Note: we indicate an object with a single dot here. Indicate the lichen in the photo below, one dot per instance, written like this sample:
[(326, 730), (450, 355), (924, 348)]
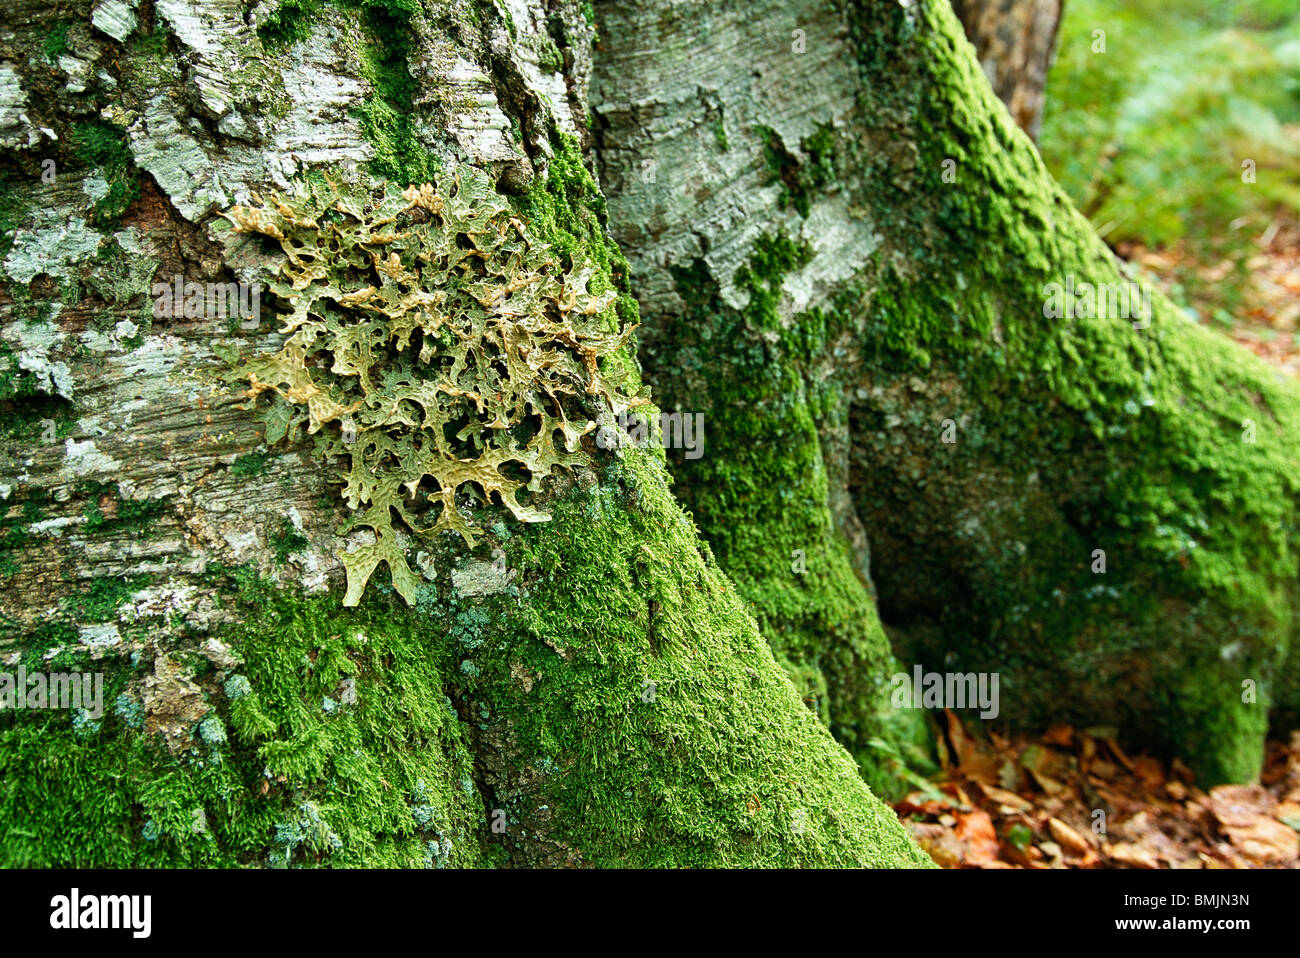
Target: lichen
[(267, 777), (435, 345)]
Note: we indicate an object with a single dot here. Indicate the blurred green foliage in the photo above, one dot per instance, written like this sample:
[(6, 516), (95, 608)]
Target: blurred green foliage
[(1150, 136)]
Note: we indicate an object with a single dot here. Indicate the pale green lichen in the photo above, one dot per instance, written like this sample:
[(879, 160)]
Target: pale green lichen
[(433, 343)]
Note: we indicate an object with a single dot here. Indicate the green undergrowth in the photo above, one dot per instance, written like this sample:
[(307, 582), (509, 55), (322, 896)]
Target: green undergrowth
[(1170, 450), (1193, 141)]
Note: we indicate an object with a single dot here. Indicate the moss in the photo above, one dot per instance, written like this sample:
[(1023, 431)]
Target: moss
[(12, 212), (566, 208), (287, 540), (15, 519), (388, 116), (103, 147), (290, 22), (336, 740), (373, 782), (56, 41), (549, 57), (761, 496), (720, 134), (105, 595), (36, 417), (800, 178), (1072, 436), (631, 695), (15, 382), (250, 464), (383, 36), (107, 512)]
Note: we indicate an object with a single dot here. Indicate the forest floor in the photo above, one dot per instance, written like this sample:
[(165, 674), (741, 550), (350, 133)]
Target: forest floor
[(1268, 320), (1072, 798)]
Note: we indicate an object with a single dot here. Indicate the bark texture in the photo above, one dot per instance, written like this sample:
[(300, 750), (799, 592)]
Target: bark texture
[(871, 249), (1015, 43), (586, 690)]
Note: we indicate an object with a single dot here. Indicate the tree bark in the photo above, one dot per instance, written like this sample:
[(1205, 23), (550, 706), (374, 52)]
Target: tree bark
[(585, 690), (1015, 43), (606, 686)]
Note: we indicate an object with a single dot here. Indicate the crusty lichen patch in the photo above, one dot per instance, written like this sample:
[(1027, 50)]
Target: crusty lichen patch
[(435, 346)]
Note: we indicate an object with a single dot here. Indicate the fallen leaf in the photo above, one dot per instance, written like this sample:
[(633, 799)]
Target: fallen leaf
[(1266, 841), (1062, 735), (976, 829), (1238, 806), (1067, 837), (1006, 798), (1135, 856)]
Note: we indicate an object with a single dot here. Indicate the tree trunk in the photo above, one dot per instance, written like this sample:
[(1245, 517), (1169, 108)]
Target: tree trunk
[(1015, 42), (575, 678), (854, 264), (584, 690)]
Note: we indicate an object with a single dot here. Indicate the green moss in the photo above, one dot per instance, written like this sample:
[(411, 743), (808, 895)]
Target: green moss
[(373, 782), (103, 146), (632, 695), (720, 134), (15, 519), (250, 464), (15, 382), (567, 210), (105, 595), (56, 41), (800, 177), (383, 35), (132, 515), (12, 212), (290, 22), (549, 57), (1072, 436), (286, 541), (761, 494), (388, 116)]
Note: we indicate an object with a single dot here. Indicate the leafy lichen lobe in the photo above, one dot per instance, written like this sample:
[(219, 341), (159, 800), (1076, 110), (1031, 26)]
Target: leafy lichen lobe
[(434, 345)]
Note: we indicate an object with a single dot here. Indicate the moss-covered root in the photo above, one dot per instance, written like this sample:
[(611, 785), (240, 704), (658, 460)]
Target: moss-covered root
[(761, 497), (614, 705), (633, 715), (307, 736), (1103, 504)]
